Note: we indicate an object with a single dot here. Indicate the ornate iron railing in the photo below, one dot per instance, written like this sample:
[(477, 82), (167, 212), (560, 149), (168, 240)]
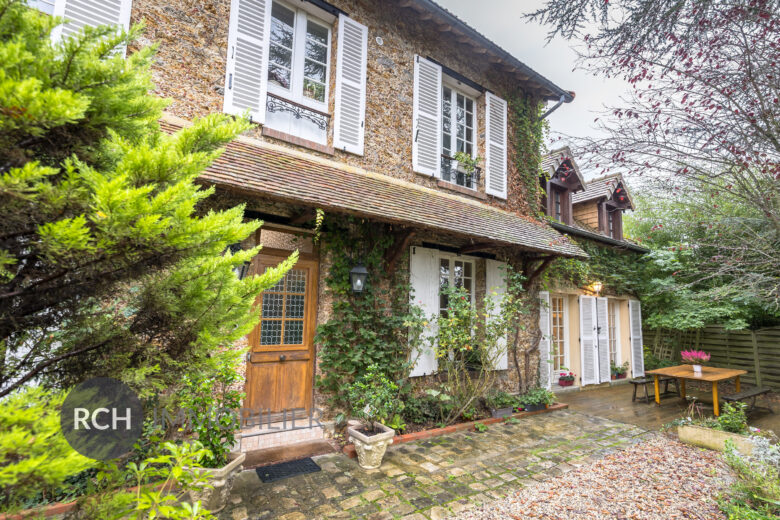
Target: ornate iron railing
[(275, 103), (457, 175)]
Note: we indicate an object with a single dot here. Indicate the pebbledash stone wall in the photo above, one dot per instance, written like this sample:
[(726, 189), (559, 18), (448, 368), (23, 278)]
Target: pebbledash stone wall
[(190, 70)]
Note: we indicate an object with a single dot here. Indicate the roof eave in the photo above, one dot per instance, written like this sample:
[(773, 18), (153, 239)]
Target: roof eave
[(564, 228)]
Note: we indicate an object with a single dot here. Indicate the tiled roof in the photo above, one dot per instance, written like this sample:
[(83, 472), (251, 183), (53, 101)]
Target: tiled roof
[(552, 161), (602, 187), (288, 176)]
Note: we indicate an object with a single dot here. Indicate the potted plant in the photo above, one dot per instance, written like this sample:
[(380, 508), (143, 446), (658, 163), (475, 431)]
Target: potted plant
[(466, 165), (374, 399), (210, 402), (618, 371), (697, 358), (501, 404), (713, 433), (566, 377), (537, 399)]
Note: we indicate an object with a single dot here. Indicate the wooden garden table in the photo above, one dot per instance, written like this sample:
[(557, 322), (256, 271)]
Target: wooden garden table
[(685, 372)]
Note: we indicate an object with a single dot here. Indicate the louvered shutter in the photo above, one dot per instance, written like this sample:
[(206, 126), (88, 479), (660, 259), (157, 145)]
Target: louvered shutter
[(602, 334), (246, 79), (545, 367), (588, 342), (350, 110), (81, 13), (635, 326), (426, 123), (424, 278), (495, 145), (495, 281)]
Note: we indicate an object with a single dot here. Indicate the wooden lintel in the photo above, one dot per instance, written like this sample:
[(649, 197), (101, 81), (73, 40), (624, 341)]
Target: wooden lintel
[(396, 251), (303, 218), (473, 248)]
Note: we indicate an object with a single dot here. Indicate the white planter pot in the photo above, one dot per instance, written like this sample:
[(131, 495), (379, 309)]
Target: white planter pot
[(371, 449), (697, 369), (221, 479)]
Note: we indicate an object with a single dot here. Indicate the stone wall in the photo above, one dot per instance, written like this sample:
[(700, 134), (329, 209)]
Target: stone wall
[(190, 70)]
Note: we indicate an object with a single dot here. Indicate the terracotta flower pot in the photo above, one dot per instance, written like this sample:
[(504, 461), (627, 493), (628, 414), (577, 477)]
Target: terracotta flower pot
[(565, 382)]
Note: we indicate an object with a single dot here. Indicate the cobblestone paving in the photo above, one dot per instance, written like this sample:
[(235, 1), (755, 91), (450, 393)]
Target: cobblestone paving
[(436, 477)]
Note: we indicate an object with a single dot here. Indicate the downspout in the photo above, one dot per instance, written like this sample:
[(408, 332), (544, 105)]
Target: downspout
[(554, 108)]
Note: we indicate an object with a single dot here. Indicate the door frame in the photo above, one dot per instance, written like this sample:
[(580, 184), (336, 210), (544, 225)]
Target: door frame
[(311, 261)]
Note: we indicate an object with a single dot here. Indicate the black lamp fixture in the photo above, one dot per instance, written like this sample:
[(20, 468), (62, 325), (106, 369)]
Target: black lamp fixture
[(357, 277), (243, 269)]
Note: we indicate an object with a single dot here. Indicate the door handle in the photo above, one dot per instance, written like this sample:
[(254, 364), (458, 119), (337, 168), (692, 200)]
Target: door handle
[(282, 357)]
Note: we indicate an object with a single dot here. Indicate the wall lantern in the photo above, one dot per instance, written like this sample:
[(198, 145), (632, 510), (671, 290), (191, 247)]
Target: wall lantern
[(242, 270), (357, 277), (596, 287)]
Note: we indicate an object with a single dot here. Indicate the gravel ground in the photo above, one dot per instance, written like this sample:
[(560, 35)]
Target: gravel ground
[(658, 479)]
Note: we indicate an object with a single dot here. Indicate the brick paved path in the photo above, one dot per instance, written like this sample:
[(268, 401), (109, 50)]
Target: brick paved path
[(436, 477)]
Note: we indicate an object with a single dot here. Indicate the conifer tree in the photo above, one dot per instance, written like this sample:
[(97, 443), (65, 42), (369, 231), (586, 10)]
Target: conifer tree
[(108, 263)]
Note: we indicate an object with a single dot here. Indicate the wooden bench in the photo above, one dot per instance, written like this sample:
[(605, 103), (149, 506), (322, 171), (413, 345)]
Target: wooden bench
[(751, 394), (645, 381)]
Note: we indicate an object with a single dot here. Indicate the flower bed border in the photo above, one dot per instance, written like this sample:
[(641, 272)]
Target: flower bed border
[(349, 449)]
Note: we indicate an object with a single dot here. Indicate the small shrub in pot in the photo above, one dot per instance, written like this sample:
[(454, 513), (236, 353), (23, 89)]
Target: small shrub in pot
[(374, 398), (537, 399), (501, 403)]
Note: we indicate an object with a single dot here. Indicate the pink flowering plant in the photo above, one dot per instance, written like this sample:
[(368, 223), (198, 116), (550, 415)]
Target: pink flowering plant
[(694, 357)]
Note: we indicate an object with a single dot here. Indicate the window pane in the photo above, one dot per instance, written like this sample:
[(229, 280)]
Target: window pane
[(467, 285), (282, 23), (314, 71), (278, 75), (280, 56), (467, 269), (469, 105), (270, 332), (313, 90), (296, 281), (272, 305), (293, 332), (446, 144), (317, 33), (316, 52), (294, 306)]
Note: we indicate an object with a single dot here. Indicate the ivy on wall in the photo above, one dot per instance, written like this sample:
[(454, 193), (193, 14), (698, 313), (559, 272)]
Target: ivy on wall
[(367, 328), (528, 144)]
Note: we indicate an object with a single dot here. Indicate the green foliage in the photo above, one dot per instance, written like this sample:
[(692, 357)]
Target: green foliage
[(536, 396), (527, 144), (374, 397), (211, 403), (108, 263), (397, 423), (732, 418), (499, 399), (163, 485), (619, 370), (378, 326), (424, 409), (481, 428), (651, 361), (34, 455), (755, 494)]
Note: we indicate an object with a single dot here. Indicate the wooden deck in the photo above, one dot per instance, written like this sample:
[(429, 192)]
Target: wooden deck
[(615, 403)]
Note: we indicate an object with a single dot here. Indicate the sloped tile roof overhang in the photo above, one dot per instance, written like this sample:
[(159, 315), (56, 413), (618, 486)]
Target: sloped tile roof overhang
[(598, 237), (283, 175)]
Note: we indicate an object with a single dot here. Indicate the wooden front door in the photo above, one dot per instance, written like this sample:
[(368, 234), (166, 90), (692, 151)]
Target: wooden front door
[(281, 357)]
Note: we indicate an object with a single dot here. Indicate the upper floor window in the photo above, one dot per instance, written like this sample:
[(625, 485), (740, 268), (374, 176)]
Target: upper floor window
[(298, 53), (457, 134)]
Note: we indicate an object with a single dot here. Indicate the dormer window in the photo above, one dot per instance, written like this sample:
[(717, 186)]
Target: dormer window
[(610, 220), (557, 207)]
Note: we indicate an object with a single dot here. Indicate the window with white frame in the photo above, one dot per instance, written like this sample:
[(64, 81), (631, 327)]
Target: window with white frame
[(557, 332), (454, 272), (612, 317), (458, 122), (298, 72)]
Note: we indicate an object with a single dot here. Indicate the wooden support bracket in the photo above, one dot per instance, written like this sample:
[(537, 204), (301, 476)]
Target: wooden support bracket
[(400, 244), (302, 218), (533, 275)]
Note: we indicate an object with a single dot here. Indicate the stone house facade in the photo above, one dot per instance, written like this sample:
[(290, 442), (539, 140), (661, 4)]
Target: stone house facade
[(359, 108)]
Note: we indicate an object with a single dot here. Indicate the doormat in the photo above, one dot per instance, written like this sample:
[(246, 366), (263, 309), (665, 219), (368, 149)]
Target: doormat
[(282, 470)]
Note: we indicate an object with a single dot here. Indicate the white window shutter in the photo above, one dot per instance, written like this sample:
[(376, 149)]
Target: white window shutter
[(426, 122), (588, 341), (602, 333), (545, 367), (495, 281), (424, 278), (637, 345), (246, 79), (495, 145), (81, 13), (350, 111)]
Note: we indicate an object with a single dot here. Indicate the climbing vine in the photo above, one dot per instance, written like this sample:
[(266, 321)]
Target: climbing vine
[(377, 326), (528, 138)]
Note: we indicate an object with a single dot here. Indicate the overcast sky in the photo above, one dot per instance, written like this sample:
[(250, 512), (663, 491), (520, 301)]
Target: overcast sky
[(501, 21)]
